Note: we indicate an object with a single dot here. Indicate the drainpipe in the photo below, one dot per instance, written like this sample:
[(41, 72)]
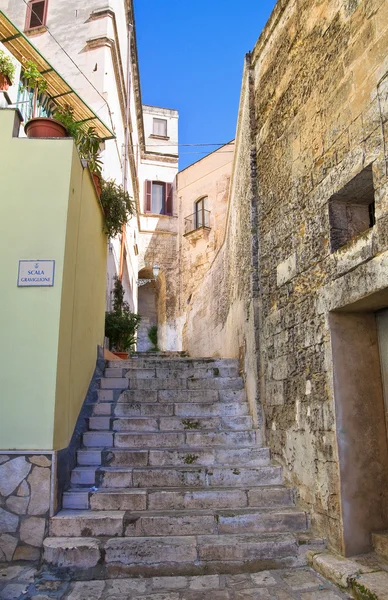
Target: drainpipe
[(126, 142)]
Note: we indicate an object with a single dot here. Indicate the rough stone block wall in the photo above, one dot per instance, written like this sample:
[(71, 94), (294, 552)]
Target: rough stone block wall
[(321, 111), (25, 492)]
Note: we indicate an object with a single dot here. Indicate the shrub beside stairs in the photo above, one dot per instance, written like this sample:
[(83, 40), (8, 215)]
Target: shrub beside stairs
[(172, 479)]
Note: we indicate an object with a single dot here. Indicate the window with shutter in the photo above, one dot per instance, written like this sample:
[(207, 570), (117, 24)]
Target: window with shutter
[(169, 191), (147, 196), (36, 14), (158, 197)]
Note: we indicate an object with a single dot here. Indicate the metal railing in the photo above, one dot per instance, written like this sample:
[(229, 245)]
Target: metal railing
[(198, 220), (45, 105)]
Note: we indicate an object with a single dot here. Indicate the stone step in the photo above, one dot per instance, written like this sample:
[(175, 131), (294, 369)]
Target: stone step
[(162, 477), (184, 363), (175, 457), (114, 383), (170, 383), (137, 424), (162, 372), (176, 396), (178, 499), (143, 409), (173, 554), (86, 523), (162, 439), (227, 439), (380, 543)]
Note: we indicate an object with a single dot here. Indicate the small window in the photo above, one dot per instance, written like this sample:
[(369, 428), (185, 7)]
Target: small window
[(160, 127), (352, 209), (36, 14), (201, 213), (158, 197)]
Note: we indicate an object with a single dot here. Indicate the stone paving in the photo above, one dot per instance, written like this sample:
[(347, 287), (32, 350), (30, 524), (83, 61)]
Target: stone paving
[(19, 582)]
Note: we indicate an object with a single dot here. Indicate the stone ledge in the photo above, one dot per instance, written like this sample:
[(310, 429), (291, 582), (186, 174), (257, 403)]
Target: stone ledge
[(365, 577)]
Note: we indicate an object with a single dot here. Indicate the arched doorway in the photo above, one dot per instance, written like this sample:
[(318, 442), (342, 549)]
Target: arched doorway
[(147, 308)]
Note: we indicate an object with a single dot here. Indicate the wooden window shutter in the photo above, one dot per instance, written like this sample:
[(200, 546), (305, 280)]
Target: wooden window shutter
[(169, 192), (148, 196)]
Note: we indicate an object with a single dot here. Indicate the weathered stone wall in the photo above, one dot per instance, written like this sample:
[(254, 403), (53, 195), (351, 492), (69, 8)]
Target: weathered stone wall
[(25, 492), (161, 248), (207, 179), (321, 110), (317, 112)]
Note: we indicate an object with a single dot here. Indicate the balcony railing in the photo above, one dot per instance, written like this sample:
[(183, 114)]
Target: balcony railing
[(198, 220), (45, 106)]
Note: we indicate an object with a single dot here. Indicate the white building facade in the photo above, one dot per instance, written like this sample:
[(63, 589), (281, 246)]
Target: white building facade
[(93, 47)]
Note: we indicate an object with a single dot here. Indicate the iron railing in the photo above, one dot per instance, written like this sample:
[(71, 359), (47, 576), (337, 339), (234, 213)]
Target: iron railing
[(198, 220)]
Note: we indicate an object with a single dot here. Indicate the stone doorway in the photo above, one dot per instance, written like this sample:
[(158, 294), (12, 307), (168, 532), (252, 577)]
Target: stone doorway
[(359, 341), (147, 309)]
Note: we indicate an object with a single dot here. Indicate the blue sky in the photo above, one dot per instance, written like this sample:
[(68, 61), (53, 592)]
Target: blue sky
[(191, 57)]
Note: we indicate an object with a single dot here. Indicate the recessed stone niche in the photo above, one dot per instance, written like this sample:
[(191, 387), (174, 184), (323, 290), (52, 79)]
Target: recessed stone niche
[(352, 209)]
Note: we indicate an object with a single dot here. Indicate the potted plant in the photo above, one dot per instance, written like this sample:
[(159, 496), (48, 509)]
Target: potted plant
[(7, 71), (39, 127), (118, 207), (121, 324)]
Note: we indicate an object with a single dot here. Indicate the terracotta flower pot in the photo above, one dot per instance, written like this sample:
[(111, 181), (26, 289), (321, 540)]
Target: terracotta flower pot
[(97, 183), (122, 355), (5, 82), (42, 127)]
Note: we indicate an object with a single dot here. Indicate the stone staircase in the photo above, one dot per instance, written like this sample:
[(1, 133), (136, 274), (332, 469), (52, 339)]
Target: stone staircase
[(172, 479)]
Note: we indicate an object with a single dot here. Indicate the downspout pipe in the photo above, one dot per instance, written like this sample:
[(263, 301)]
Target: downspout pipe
[(126, 141)]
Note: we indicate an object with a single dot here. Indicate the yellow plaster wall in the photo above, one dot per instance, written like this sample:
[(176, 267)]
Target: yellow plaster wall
[(83, 302), (48, 336), (35, 176)]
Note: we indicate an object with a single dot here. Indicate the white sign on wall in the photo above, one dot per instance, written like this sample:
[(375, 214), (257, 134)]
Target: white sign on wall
[(38, 273)]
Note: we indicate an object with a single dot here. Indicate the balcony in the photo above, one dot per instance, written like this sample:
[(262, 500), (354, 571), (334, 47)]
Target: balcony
[(200, 220)]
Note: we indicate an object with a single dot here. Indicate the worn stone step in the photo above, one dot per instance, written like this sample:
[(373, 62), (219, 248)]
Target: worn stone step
[(118, 371), (178, 396), (114, 383), (97, 439), (178, 499), (87, 523), (170, 383), (162, 372), (142, 409), (149, 424), (173, 363), (183, 554), (194, 477), (211, 523), (227, 439), (175, 457)]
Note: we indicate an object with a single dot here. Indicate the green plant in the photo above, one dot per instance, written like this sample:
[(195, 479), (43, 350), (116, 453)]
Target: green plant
[(65, 115), (7, 67), (121, 324), (153, 336), (190, 424), (89, 149), (87, 142), (190, 459), (34, 80), (118, 207)]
